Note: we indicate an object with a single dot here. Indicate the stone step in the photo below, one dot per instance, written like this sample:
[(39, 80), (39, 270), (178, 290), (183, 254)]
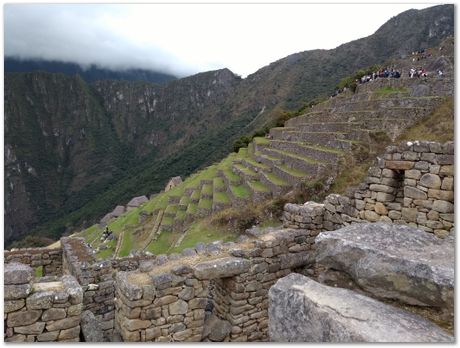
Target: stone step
[(195, 196), (206, 191), (267, 160), (230, 178), (332, 140), (204, 206), (171, 210), (302, 310), (325, 126), (259, 191), (239, 194), (393, 262), (293, 160), (256, 166), (245, 172), (184, 202), (220, 200), (319, 153), (218, 184), (276, 184)]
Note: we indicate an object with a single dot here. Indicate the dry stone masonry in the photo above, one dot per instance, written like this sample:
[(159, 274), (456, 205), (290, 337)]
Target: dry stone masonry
[(412, 184), (49, 260), (44, 311)]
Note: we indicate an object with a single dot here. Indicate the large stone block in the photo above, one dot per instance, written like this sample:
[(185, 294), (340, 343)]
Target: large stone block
[(221, 268), (392, 261), (302, 310), (33, 329), (16, 292), (414, 193), (23, 318), (91, 328), (17, 273), (443, 206), (430, 181)]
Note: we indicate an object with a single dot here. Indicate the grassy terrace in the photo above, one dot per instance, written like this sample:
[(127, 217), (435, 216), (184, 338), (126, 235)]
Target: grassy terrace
[(185, 200), (240, 191), (205, 203), (206, 190), (245, 170), (257, 164), (192, 208), (221, 197), (258, 186), (300, 157), (261, 141), (276, 179), (218, 183), (292, 171), (195, 195), (232, 177), (172, 208)]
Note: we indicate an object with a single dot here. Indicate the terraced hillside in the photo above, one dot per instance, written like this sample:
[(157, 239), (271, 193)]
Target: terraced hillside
[(309, 147)]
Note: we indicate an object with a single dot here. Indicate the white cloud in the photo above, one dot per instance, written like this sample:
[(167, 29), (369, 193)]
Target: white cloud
[(186, 38)]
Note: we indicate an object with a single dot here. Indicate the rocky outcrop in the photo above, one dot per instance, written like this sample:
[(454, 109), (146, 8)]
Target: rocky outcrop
[(302, 310), (392, 261), (91, 328), (136, 202)]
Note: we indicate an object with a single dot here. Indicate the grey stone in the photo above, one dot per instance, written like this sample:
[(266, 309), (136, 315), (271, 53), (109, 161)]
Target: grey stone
[(13, 305), (302, 310), (33, 329), (16, 292), (415, 193), (431, 181), (23, 318), (48, 336), (221, 268), (216, 329), (392, 261), (54, 314), (73, 289), (63, 324), (443, 206), (91, 328), (178, 307), (132, 291), (69, 334), (17, 273), (40, 300)]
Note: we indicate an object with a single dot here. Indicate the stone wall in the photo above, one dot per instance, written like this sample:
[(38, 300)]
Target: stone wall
[(43, 310), (215, 296), (49, 259), (412, 184)]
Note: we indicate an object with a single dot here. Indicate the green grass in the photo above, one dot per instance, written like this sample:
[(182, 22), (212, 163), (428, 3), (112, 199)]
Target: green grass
[(39, 272), (261, 141), (293, 155), (245, 170), (172, 208), (206, 190), (129, 218), (258, 186), (276, 179), (221, 197), (107, 253), (192, 208), (232, 177), (185, 200), (256, 164), (389, 90), (162, 244), (91, 233), (202, 232), (269, 157), (205, 203), (180, 215), (240, 191), (127, 245), (292, 171), (167, 221), (195, 195), (242, 152), (218, 183)]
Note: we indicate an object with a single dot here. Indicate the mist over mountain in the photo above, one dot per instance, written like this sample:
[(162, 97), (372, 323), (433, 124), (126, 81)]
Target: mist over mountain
[(89, 74), (74, 149)]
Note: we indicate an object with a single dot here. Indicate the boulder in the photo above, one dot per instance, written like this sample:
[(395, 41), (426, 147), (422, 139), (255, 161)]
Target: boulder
[(17, 273), (392, 261), (91, 328), (302, 310), (137, 201)]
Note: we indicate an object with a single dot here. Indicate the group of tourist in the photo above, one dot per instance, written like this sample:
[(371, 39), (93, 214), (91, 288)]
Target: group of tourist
[(107, 234), (382, 73), (420, 54)]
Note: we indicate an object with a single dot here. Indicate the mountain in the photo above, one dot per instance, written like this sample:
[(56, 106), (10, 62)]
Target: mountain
[(91, 74), (74, 150)]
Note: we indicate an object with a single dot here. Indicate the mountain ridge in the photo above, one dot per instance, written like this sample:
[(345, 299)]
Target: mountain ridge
[(242, 106)]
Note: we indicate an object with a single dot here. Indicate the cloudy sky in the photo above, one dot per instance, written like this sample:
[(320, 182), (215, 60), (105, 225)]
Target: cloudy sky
[(184, 39)]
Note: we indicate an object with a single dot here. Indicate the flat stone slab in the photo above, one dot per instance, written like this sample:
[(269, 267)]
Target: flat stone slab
[(221, 268), (16, 273), (302, 310), (392, 261)]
